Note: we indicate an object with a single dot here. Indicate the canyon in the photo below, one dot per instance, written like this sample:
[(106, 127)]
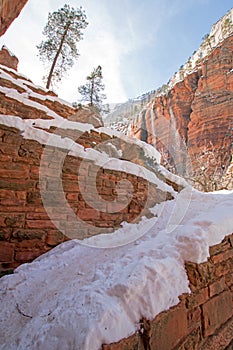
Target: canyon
[(104, 247)]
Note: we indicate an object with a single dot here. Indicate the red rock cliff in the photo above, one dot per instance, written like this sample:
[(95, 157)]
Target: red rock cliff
[(195, 113), (10, 9)]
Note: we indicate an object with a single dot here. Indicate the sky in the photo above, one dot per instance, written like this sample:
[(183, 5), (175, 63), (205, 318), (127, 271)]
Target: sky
[(139, 44)]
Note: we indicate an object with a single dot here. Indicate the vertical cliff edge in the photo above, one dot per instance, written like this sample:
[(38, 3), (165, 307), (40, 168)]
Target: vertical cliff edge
[(192, 114)]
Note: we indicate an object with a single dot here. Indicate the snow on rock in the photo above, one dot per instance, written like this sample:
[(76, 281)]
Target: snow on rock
[(58, 121), (33, 129), (5, 68), (29, 131), (149, 150), (23, 98), (26, 84), (86, 293)]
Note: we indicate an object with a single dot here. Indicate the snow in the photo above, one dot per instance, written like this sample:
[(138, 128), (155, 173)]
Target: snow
[(28, 131), (86, 293), (58, 121), (5, 68), (23, 98), (172, 177), (149, 150), (27, 84)]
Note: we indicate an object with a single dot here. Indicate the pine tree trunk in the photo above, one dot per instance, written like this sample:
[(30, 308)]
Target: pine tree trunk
[(56, 56), (92, 92)]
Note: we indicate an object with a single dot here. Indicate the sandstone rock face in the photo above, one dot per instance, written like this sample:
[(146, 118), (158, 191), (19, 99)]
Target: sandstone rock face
[(8, 59), (9, 11), (195, 114), (211, 119)]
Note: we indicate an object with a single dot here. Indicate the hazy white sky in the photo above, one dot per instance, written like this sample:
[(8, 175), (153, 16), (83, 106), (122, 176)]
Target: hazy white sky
[(139, 44)]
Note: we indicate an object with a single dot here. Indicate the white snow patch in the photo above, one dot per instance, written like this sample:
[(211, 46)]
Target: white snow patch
[(149, 150), (13, 71), (79, 296), (23, 98), (27, 84)]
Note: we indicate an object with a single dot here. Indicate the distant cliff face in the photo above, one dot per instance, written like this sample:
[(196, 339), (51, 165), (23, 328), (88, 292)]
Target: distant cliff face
[(211, 118), (10, 9), (195, 115)]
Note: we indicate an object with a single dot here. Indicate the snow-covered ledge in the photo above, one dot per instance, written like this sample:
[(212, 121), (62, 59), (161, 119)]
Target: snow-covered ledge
[(83, 294)]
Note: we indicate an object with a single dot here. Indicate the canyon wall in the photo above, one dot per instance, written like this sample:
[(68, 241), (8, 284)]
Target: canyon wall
[(9, 10), (203, 319), (195, 115)]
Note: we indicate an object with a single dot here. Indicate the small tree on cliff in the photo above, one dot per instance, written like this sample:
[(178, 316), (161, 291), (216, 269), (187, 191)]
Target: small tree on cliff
[(206, 41), (92, 91), (63, 30)]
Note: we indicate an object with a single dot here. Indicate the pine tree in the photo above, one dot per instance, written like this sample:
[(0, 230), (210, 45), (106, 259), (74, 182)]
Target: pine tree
[(63, 30), (92, 91)]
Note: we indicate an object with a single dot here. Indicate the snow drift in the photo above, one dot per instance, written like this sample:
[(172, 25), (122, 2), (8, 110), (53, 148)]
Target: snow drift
[(86, 293)]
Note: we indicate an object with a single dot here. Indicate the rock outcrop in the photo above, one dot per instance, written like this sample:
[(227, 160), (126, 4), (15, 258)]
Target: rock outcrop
[(8, 59), (9, 10)]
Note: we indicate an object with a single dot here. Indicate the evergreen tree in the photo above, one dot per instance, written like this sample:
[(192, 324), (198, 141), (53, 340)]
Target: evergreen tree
[(92, 91), (63, 30)]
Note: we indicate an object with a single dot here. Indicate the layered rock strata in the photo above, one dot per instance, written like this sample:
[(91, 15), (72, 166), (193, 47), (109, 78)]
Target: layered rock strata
[(195, 115)]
